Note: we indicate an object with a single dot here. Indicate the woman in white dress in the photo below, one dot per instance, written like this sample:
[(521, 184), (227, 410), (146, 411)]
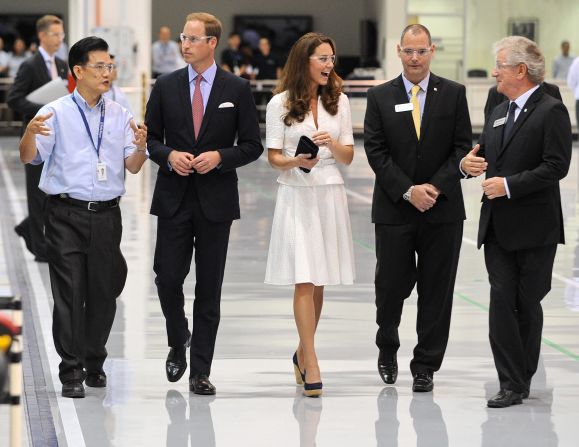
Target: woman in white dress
[(311, 238)]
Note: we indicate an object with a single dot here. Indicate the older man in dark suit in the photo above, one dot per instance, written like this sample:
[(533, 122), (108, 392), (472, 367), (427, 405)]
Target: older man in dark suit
[(32, 74), (494, 98), (525, 149), (416, 131), (202, 125)]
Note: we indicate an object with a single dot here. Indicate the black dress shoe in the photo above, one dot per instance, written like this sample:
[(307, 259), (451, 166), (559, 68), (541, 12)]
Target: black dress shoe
[(388, 367), (176, 363), (73, 389), (200, 384), (96, 379), (22, 231), (423, 382), (504, 399)]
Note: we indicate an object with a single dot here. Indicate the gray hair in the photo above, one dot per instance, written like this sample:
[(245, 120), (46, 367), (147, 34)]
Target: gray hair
[(520, 50)]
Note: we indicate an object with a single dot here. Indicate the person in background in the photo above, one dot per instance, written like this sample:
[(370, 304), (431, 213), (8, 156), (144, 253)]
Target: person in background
[(311, 237), (524, 151), (86, 142), (19, 55), (416, 131), (4, 60), (231, 57), (166, 54), (36, 71), (115, 93), (33, 48), (563, 62), (573, 83), (266, 65)]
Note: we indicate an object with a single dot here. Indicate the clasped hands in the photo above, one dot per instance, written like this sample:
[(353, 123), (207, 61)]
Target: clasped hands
[(424, 196), (474, 166), (185, 163)]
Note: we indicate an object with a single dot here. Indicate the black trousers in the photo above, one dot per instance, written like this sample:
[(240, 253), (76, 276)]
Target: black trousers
[(33, 224), (519, 280), (87, 274), (425, 255), (178, 237)]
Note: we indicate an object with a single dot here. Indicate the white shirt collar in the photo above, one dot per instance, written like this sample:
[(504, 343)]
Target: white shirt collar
[(522, 100), (47, 57)]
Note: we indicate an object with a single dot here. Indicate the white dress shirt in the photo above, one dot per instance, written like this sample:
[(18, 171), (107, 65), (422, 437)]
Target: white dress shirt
[(70, 159)]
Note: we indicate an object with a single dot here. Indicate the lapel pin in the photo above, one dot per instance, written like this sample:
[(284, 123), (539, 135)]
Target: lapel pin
[(525, 110), (435, 89)]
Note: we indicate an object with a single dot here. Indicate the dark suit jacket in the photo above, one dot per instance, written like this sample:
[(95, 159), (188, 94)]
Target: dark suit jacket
[(533, 160), (494, 98), (170, 127), (400, 160), (31, 75)]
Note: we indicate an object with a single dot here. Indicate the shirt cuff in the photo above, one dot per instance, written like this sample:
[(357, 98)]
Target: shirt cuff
[(464, 175), (507, 188)]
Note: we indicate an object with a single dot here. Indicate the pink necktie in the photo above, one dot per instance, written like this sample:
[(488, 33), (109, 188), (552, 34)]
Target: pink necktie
[(53, 72), (197, 106)]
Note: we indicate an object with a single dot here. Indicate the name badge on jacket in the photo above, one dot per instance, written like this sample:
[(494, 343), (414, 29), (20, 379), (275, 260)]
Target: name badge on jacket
[(407, 107), (500, 122)]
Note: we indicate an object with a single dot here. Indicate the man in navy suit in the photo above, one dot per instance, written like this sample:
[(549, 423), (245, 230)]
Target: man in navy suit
[(416, 131), (202, 125), (525, 149), (32, 74)]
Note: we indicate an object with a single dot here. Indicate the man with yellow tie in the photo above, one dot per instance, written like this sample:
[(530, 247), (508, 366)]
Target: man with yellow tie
[(416, 131)]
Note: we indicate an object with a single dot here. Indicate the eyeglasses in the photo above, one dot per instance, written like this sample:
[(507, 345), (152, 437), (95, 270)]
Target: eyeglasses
[(194, 39), (102, 67), (421, 52), (500, 65), (54, 34), (325, 59)]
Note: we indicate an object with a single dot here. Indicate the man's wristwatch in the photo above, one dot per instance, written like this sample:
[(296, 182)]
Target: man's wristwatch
[(408, 194)]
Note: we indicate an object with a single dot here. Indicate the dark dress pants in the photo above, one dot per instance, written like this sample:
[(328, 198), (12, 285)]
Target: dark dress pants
[(33, 224), (425, 255), (178, 237), (87, 274), (519, 280)]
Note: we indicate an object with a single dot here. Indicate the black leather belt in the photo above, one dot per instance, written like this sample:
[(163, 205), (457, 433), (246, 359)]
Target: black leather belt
[(90, 206)]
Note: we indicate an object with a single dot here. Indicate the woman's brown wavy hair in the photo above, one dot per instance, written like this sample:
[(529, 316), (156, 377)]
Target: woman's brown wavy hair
[(296, 80)]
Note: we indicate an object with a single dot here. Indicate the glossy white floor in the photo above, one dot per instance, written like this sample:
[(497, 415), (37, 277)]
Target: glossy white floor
[(257, 403)]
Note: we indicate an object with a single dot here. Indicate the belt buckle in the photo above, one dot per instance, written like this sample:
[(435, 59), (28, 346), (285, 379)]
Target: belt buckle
[(89, 206)]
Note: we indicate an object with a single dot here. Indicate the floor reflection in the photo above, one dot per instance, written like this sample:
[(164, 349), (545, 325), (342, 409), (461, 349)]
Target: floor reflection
[(387, 424), (307, 411), (198, 427), (428, 421)]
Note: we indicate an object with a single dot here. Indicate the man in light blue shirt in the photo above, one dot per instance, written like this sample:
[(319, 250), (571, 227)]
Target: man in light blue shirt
[(85, 141), (563, 62), (165, 54)]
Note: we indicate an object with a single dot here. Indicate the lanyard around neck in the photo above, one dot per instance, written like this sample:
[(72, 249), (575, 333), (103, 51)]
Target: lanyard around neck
[(101, 125)]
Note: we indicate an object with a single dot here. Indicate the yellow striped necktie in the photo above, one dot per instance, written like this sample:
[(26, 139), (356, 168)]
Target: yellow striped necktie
[(416, 109)]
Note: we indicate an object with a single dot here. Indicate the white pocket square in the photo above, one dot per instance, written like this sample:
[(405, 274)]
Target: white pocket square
[(225, 105)]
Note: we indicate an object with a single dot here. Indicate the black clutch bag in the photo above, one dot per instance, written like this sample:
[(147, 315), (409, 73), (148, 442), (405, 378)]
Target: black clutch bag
[(306, 146)]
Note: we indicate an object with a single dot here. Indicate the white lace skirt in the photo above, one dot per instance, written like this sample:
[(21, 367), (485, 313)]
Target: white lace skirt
[(311, 237)]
